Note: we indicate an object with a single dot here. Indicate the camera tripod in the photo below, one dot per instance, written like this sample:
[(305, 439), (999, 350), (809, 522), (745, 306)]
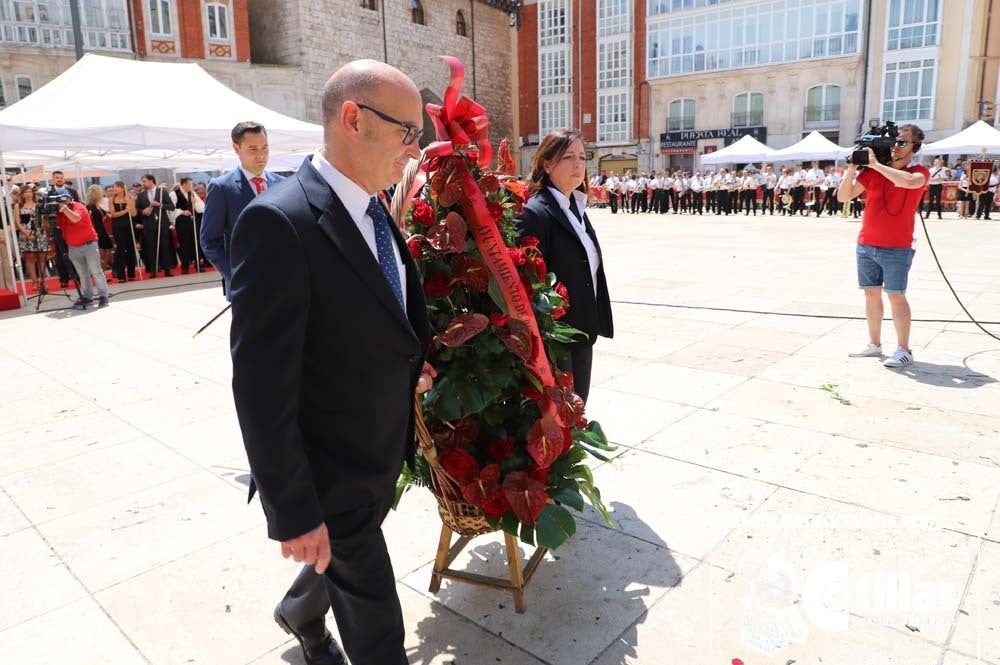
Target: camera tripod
[(62, 250)]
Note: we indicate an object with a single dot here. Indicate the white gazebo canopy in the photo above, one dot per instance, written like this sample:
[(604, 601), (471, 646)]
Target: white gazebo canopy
[(978, 138), (57, 117), (814, 146), (747, 149)]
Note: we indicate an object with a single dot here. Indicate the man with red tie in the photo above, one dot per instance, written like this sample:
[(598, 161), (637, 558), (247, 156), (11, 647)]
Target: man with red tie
[(230, 193)]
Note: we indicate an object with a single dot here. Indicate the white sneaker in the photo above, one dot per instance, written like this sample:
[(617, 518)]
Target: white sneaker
[(900, 358), (870, 351)]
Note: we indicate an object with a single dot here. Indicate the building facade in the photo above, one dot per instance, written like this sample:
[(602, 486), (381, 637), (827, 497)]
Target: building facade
[(320, 36), (36, 45), (656, 84)]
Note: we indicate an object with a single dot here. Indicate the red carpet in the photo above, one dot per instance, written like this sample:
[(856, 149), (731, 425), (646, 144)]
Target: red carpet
[(9, 300), (52, 283)]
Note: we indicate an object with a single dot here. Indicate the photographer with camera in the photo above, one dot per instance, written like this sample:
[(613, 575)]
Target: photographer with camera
[(894, 185), (78, 231)]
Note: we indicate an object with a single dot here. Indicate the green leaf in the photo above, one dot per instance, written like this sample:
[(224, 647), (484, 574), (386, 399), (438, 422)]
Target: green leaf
[(496, 295), (509, 523), (581, 472), (555, 526), (402, 484), (570, 497), (550, 280), (470, 396), (593, 452), (594, 496), (595, 427), (493, 522), (528, 534)]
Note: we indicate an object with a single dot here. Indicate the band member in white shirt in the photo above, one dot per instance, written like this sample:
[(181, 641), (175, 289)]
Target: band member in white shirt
[(939, 173), (697, 198)]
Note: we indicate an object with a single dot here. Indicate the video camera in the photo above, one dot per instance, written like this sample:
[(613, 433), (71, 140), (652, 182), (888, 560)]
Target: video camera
[(49, 206), (880, 139)]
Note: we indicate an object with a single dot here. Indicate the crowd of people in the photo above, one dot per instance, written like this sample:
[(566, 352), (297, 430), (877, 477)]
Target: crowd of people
[(145, 222), (803, 190)]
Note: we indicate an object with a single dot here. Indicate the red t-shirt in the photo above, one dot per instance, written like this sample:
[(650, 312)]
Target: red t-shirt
[(77, 233), (887, 220)]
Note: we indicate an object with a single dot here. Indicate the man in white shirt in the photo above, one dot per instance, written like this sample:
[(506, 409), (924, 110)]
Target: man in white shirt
[(611, 185)]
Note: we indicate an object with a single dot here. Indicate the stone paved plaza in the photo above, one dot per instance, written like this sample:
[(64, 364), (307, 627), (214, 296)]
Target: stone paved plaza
[(772, 494)]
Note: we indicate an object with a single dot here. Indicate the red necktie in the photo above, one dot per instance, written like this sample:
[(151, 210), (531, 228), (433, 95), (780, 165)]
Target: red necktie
[(258, 183)]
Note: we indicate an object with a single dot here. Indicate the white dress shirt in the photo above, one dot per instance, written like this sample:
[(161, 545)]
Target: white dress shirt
[(593, 258), (356, 201)]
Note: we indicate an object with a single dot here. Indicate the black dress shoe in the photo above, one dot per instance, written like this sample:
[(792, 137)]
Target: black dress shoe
[(319, 649)]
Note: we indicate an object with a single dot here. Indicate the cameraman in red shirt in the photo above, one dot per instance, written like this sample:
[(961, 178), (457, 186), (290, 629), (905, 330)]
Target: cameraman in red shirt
[(81, 242), (885, 243)]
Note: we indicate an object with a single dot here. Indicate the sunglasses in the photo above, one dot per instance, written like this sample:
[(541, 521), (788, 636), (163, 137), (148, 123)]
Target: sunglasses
[(902, 144), (413, 133)]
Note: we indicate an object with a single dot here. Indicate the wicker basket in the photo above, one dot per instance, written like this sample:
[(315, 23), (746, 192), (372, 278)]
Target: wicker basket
[(463, 518)]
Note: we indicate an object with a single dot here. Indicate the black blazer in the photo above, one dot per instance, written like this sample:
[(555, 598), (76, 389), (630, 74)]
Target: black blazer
[(142, 202), (325, 363), (565, 256)]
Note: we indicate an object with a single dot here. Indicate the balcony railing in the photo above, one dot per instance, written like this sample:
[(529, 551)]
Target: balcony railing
[(822, 116), (748, 119), (60, 36)]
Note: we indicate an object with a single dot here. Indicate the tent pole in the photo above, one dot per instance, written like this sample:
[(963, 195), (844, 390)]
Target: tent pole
[(10, 238)]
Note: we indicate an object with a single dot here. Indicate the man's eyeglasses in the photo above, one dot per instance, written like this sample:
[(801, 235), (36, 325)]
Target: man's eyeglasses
[(901, 143), (413, 133)]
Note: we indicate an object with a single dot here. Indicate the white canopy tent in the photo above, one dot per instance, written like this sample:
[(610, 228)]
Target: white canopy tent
[(92, 134), (43, 121), (747, 149), (978, 138), (814, 146)]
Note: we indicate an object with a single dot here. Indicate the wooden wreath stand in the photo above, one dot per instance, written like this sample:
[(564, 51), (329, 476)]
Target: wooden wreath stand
[(468, 521), (519, 576)]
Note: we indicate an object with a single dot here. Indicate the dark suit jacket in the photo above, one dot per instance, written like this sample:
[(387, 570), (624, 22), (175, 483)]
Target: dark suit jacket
[(325, 363), (227, 196), (142, 202), (565, 256)]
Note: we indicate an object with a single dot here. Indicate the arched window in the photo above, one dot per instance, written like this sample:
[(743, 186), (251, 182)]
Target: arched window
[(417, 12), (460, 24), (823, 104), (680, 115), (748, 109), (368, 4)]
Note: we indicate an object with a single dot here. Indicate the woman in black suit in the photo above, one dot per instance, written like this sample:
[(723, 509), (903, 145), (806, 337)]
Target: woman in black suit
[(556, 215)]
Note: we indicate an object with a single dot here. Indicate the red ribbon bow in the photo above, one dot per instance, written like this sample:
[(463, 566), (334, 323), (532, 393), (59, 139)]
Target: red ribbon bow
[(461, 122)]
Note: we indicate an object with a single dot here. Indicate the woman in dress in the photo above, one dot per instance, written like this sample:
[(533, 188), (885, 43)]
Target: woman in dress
[(94, 197), (32, 237), (121, 209), (556, 216)]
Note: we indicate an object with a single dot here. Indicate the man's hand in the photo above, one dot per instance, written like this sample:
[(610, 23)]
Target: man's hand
[(154, 203), (312, 548), (147, 211), (426, 380)]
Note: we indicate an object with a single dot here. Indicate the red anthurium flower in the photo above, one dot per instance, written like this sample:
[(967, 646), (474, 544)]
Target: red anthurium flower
[(496, 212), (529, 241), (486, 485), (516, 255), (499, 320), (459, 464), (463, 328), (489, 184), (558, 313), (526, 495), (539, 473), (538, 265), (545, 441)]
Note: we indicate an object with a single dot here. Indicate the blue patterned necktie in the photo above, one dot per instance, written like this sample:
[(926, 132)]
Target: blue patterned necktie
[(383, 244)]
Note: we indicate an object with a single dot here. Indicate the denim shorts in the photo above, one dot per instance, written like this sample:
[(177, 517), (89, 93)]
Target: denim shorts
[(886, 267)]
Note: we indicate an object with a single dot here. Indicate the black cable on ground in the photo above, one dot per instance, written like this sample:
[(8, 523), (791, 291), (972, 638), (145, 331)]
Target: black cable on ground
[(795, 314), (923, 223)]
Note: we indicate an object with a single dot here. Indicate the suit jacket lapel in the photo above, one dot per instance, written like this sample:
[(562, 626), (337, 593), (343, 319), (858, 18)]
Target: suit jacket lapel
[(558, 214), (337, 224)]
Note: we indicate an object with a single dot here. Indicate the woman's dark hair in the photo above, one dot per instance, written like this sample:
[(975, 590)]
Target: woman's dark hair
[(552, 149)]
